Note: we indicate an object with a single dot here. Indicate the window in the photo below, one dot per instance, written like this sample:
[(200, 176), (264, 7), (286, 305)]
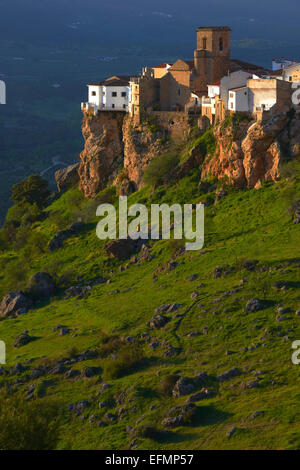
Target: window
[(94, 93), (113, 105), (221, 44), (204, 43), (179, 92), (114, 94), (231, 105), (124, 94), (124, 106)]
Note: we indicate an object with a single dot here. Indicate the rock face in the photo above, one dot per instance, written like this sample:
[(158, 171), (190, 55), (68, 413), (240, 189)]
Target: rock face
[(41, 286), (102, 156), (67, 177), (251, 152), (58, 239), (14, 304), (141, 145)]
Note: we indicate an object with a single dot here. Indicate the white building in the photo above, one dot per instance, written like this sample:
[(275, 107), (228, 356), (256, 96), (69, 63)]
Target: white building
[(292, 73), (209, 102), (112, 94), (234, 80), (279, 64), (260, 95), (238, 99)]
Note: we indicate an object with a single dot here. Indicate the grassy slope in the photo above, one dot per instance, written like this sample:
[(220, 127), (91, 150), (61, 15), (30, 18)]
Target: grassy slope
[(247, 224)]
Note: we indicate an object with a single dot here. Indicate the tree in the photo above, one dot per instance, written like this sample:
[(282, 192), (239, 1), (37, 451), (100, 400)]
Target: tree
[(28, 425), (33, 190)]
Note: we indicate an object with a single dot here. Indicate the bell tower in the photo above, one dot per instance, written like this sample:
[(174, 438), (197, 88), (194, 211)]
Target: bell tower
[(212, 56)]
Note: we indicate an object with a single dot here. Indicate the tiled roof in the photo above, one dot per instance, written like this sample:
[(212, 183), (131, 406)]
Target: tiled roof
[(120, 80), (183, 65), (236, 65), (162, 66)]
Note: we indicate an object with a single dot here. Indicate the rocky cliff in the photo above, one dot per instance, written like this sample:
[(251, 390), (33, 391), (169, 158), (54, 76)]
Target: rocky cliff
[(250, 152), (142, 143), (103, 153), (247, 152)]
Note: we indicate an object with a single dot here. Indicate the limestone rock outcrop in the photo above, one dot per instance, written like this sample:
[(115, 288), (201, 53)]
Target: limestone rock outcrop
[(14, 304), (102, 156), (251, 152), (67, 177), (141, 145)]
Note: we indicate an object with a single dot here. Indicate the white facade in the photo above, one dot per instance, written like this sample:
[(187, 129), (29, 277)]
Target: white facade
[(236, 79), (109, 97), (238, 99), (213, 90)]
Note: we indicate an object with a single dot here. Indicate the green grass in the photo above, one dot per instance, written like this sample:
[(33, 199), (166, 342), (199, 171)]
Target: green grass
[(246, 224)]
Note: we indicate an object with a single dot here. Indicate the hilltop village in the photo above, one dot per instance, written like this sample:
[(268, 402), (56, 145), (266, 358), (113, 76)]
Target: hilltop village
[(210, 86)]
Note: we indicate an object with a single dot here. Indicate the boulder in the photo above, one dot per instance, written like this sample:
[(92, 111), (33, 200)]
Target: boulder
[(41, 286), (123, 248), (67, 177), (58, 239), (182, 387), (254, 305), (81, 292), (22, 339), (204, 393), (228, 375), (179, 415), (14, 304), (158, 321)]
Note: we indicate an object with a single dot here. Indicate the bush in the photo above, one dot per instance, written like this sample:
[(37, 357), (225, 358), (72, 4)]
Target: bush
[(72, 352), (28, 425), (147, 432), (159, 168), (110, 345), (128, 358), (167, 384), (34, 190)]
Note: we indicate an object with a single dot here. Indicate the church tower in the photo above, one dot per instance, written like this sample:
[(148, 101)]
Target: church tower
[(212, 56)]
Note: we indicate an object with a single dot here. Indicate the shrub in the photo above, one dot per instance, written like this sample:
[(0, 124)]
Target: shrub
[(34, 190), (167, 384), (110, 345), (72, 352), (28, 425), (147, 432), (128, 358), (159, 168)]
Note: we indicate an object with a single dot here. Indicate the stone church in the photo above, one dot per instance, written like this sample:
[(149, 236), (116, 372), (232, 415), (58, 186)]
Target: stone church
[(168, 87)]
